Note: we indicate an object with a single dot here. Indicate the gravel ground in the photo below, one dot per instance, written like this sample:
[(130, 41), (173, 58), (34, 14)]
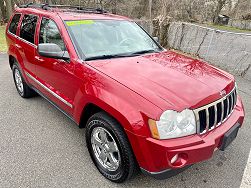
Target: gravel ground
[(40, 147)]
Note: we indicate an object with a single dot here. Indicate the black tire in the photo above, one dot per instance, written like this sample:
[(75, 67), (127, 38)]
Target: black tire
[(127, 165), (26, 92)]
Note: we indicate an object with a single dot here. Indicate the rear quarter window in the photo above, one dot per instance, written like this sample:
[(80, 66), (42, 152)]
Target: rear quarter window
[(28, 28), (14, 23)]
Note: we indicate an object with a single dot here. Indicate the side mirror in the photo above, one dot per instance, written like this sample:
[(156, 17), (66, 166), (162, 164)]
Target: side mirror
[(156, 39), (51, 50)]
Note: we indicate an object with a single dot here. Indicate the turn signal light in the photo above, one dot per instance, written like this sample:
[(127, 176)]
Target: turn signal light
[(153, 128)]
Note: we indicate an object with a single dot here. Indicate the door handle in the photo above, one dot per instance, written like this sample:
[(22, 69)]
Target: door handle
[(39, 59)]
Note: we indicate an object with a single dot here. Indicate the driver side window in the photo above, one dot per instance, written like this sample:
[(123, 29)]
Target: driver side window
[(49, 33)]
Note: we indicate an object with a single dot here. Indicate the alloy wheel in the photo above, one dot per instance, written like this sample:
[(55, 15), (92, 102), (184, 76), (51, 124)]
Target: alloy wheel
[(19, 81), (105, 149)]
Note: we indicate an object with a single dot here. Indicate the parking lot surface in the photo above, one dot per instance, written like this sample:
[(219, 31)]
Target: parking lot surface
[(40, 147)]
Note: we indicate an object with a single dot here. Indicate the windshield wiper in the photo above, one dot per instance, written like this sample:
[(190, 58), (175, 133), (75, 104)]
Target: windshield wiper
[(106, 57), (120, 55), (144, 52)]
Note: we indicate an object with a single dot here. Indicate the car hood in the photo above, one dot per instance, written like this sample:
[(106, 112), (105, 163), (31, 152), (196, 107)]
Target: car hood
[(168, 79)]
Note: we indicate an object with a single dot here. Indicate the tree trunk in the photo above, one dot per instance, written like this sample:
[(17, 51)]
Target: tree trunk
[(12, 3), (143, 8), (1, 18), (160, 29), (3, 11), (8, 9), (220, 5), (235, 8), (150, 16), (114, 6), (150, 9), (164, 7)]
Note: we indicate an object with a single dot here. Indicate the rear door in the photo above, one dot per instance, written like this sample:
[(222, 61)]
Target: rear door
[(26, 43), (12, 34)]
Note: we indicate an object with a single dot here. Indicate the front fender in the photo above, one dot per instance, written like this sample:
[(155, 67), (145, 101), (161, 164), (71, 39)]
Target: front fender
[(131, 110), (129, 115)]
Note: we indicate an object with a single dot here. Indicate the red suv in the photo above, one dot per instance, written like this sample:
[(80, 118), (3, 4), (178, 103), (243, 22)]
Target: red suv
[(143, 107)]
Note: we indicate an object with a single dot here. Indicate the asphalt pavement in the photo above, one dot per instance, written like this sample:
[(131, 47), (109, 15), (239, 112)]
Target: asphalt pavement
[(40, 147)]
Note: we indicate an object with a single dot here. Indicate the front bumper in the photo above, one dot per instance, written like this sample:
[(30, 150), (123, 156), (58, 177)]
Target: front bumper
[(165, 173), (157, 154)]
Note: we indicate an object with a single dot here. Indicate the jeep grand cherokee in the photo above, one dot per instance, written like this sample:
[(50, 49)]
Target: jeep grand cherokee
[(143, 107)]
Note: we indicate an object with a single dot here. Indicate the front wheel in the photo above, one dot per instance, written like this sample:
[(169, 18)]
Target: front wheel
[(109, 148)]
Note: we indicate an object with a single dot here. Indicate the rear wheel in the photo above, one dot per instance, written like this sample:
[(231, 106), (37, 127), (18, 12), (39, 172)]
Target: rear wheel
[(109, 148), (22, 88)]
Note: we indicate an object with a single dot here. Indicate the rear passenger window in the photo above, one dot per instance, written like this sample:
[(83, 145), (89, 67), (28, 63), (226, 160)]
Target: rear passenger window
[(28, 28), (49, 33), (14, 23)]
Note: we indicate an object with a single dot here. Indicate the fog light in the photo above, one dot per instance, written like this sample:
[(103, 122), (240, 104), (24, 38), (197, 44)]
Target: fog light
[(179, 160), (174, 159)]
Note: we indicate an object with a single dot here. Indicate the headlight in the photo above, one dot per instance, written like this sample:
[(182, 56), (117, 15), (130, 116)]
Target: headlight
[(173, 124)]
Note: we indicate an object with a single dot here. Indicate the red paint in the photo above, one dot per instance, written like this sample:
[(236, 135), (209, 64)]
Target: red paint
[(132, 90)]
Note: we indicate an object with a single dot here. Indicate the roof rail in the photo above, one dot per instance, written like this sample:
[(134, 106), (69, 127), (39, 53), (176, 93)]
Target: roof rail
[(33, 5), (67, 7)]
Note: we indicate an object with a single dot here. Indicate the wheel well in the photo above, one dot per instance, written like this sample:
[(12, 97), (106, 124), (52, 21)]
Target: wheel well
[(11, 61), (88, 111)]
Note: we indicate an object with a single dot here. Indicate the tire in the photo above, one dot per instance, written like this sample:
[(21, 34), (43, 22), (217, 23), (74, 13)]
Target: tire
[(121, 157), (22, 88)]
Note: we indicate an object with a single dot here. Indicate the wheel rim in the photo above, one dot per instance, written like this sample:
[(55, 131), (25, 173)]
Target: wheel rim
[(19, 81), (105, 149)]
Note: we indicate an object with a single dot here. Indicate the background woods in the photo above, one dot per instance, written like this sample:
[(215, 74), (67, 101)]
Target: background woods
[(184, 10)]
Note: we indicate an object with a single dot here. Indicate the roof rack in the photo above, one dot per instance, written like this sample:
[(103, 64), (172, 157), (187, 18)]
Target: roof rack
[(66, 7)]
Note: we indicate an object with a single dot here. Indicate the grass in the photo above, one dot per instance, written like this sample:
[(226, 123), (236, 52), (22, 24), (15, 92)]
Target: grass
[(228, 28), (3, 46)]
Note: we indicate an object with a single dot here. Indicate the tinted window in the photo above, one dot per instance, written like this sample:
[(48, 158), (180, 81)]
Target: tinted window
[(28, 28), (14, 23), (49, 33)]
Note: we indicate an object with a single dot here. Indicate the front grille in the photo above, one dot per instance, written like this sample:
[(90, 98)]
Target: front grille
[(213, 115)]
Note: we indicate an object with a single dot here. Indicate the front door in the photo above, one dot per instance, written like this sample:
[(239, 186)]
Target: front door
[(55, 77)]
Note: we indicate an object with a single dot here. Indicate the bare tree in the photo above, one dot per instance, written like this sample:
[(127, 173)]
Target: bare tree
[(8, 9), (165, 6), (235, 8), (184, 10), (3, 11), (143, 7), (219, 6)]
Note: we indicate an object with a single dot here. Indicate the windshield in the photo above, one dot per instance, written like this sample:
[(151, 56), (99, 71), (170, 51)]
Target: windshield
[(110, 38)]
